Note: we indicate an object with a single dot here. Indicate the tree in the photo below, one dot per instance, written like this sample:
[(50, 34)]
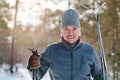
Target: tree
[(12, 62), (23, 41), (114, 19), (49, 29), (4, 31)]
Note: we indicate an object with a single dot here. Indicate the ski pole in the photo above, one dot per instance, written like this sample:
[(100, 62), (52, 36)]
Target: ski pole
[(34, 71), (102, 54), (95, 14)]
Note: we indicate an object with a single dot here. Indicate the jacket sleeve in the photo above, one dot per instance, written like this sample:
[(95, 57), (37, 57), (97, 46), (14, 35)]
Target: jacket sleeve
[(45, 63), (96, 69)]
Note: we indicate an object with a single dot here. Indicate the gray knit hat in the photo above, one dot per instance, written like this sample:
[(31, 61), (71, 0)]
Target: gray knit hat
[(70, 17)]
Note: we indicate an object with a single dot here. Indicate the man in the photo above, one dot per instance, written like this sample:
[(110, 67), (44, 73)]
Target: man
[(69, 59)]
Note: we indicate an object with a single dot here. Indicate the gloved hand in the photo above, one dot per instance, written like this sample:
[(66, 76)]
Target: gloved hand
[(33, 62)]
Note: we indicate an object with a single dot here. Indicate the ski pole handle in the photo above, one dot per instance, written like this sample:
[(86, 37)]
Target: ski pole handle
[(35, 52)]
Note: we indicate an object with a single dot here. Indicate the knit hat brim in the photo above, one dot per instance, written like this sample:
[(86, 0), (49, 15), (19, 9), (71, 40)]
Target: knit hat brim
[(70, 17)]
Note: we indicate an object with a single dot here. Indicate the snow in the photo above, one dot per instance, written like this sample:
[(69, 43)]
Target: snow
[(21, 74)]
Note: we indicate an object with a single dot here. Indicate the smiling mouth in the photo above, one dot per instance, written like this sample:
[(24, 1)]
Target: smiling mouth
[(70, 36)]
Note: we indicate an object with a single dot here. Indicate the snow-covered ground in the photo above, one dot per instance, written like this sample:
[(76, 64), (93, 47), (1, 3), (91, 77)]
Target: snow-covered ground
[(21, 74)]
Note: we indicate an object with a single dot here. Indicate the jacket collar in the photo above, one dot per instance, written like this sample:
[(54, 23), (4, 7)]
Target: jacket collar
[(67, 45)]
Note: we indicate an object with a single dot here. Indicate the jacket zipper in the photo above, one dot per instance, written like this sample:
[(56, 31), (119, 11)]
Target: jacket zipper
[(71, 55)]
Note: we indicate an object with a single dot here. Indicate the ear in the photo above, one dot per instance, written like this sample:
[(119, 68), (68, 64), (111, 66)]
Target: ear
[(80, 32)]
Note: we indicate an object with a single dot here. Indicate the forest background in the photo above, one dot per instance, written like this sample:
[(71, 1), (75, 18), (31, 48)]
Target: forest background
[(35, 23)]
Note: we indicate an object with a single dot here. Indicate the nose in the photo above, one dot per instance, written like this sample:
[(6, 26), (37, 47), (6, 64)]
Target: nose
[(70, 32)]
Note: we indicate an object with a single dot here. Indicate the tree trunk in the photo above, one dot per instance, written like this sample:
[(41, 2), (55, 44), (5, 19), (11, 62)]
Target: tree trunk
[(12, 59)]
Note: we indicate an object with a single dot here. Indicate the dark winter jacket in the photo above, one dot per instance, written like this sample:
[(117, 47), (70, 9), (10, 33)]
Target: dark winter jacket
[(65, 63)]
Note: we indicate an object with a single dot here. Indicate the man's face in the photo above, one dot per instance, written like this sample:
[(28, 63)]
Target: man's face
[(71, 33)]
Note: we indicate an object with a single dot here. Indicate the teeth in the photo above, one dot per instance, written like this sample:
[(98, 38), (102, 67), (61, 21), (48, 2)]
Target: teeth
[(70, 36)]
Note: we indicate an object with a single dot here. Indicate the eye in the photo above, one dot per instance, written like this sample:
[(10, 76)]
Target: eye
[(74, 28), (66, 29)]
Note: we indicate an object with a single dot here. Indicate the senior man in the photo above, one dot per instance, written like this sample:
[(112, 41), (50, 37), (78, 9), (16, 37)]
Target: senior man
[(69, 59)]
